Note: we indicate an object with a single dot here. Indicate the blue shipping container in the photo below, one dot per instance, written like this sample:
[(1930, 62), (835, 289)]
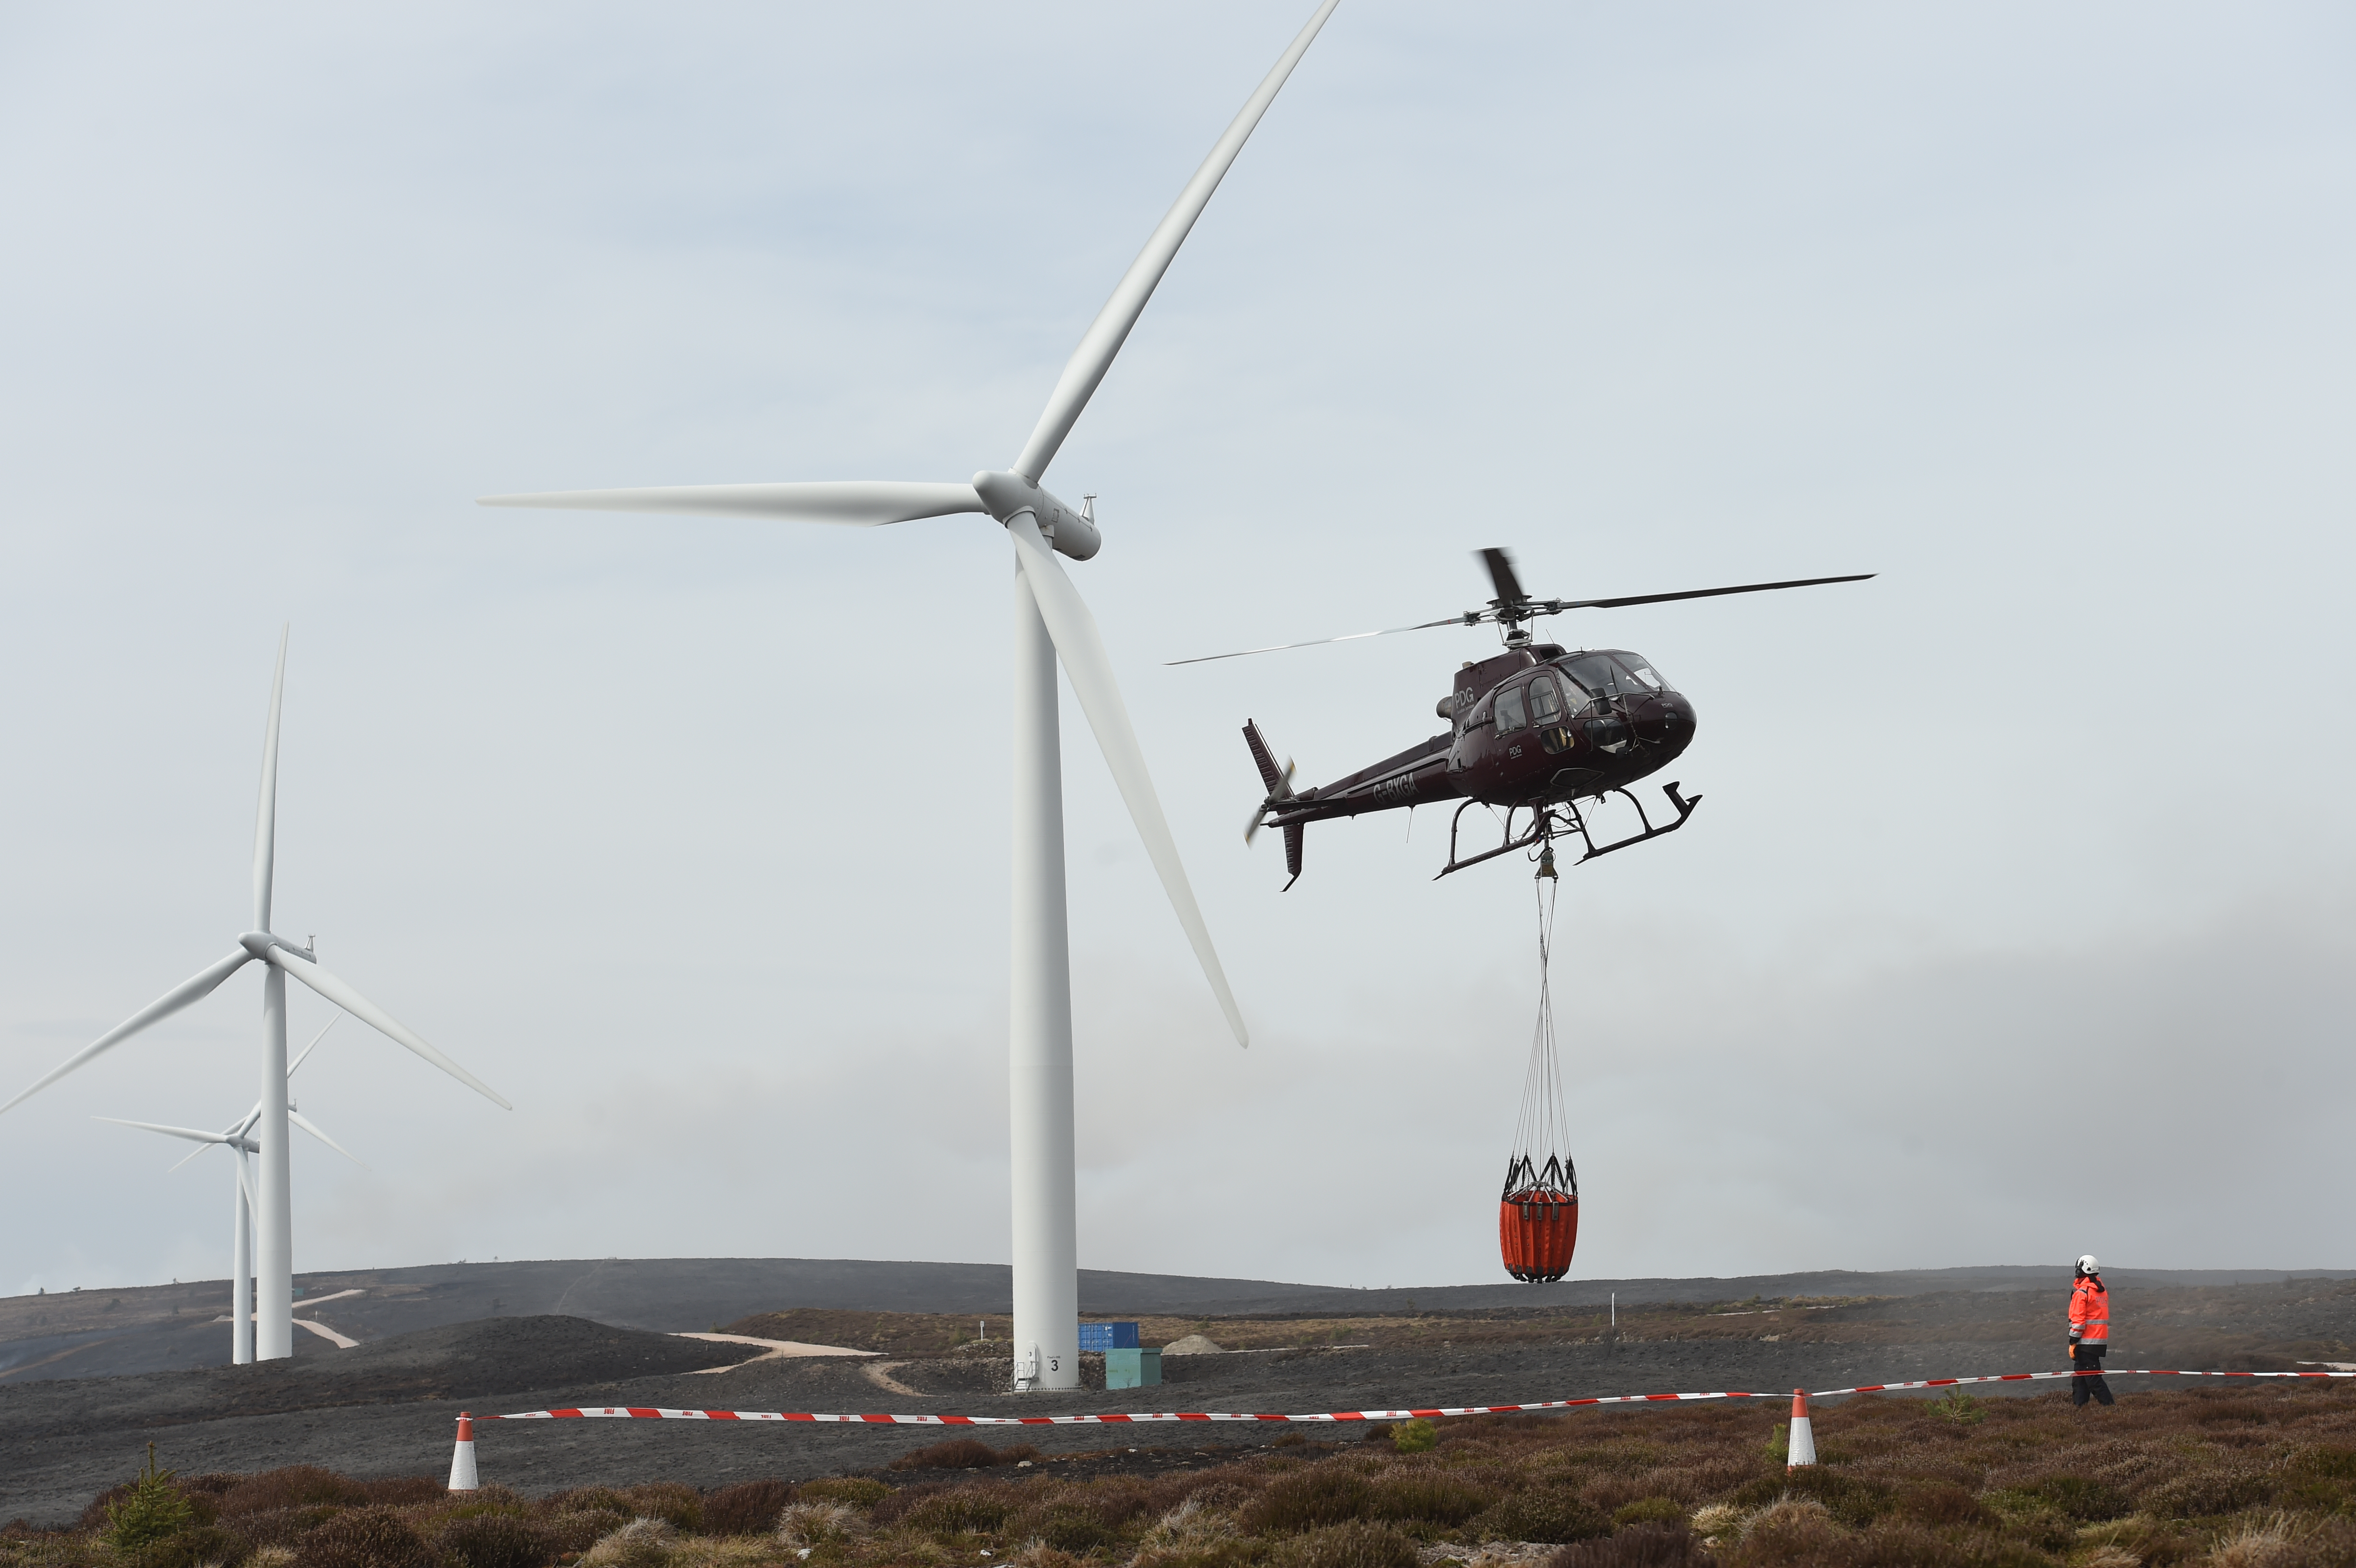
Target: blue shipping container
[(1107, 1336)]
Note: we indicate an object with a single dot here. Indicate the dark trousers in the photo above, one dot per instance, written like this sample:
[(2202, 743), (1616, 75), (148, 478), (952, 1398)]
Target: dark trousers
[(2084, 1358)]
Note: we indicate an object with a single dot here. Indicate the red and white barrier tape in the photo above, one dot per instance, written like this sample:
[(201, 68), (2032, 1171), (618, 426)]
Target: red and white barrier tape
[(650, 1413)]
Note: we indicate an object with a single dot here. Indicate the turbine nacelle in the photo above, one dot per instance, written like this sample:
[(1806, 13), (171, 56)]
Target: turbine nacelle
[(1072, 530), (260, 943)]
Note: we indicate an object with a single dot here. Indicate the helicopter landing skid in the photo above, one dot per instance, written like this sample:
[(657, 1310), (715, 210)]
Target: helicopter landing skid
[(1566, 818)]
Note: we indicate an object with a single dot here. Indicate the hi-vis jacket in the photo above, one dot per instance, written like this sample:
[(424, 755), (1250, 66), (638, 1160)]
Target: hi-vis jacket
[(2090, 1312)]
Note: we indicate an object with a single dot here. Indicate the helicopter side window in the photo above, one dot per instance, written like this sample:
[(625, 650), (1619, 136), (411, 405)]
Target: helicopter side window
[(1509, 711), (1546, 705)]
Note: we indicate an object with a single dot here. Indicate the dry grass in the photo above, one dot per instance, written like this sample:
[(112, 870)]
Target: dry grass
[(2259, 1479)]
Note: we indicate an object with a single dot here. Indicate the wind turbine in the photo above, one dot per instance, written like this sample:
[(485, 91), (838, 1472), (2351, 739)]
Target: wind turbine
[(1050, 623), (239, 1141), (274, 1201)]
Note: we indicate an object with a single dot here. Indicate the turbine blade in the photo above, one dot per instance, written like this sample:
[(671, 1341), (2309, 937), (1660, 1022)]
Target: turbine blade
[(377, 1018), (303, 1121), (187, 1157), (1085, 661), (190, 1132), (308, 1049), (852, 502), (265, 821), (195, 988), (245, 1184), (1110, 329)]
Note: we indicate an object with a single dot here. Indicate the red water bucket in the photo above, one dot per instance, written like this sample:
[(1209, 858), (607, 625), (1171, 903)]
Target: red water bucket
[(1537, 1231)]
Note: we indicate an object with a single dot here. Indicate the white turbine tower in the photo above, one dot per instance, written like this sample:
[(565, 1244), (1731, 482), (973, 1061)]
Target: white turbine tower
[(1050, 622), (273, 1206), (239, 1141)]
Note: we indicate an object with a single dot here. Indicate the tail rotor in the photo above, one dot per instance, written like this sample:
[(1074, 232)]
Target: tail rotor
[(1279, 793)]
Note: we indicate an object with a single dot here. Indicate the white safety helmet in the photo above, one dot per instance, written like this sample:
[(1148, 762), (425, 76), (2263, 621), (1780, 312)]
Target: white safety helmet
[(2086, 1264)]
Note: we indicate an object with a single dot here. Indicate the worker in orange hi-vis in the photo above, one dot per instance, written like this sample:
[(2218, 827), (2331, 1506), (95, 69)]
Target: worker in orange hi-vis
[(2090, 1332)]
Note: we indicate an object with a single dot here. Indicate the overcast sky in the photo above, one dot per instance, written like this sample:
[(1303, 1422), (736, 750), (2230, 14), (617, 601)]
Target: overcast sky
[(2017, 922)]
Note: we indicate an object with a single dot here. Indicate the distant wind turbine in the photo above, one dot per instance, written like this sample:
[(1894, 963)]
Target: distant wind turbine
[(273, 1200), (239, 1141)]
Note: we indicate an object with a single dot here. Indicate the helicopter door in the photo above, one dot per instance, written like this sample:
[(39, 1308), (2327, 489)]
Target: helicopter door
[(1547, 713), (1510, 714)]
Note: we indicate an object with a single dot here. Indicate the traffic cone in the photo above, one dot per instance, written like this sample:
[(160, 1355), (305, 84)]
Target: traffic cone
[(1802, 1450), (462, 1461)]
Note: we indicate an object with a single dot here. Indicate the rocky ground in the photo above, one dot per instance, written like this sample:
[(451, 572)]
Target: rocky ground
[(388, 1408)]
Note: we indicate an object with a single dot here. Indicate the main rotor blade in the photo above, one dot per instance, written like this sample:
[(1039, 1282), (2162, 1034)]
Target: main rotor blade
[(1110, 329), (190, 1132), (1500, 563), (300, 1120), (851, 502), (376, 1018), (1540, 606), (1085, 661), (265, 821), (1701, 593), (245, 1182), (308, 1049), (195, 988), (1464, 619)]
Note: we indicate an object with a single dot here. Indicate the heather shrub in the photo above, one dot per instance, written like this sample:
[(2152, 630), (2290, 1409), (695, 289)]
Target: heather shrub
[(494, 1541), (587, 1500), (1315, 1498), (1796, 1531), (1357, 1544), (578, 1530), (292, 1486), (1416, 1436), (852, 1491), (281, 1529), (962, 1454), (1549, 1514), (1066, 1525), (1646, 1545), (641, 1544), (750, 1508), (207, 1546), (1648, 1511), (1939, 1502), (2087, 1500), (957, 1511), (372, 1537), (1193, 1535), (677, 1505), (1427, 1497), (2209, 1491), (804, 1527)]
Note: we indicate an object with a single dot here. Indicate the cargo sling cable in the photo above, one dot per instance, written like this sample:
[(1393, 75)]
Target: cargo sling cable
[(1538, 1211), (651, 1413)]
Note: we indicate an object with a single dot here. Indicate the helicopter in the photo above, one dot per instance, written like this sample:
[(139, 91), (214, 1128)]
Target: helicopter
[(1535, 730)]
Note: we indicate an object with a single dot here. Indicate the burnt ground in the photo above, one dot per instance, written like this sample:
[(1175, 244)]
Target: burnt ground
[(387, 1408), (103, 1332)]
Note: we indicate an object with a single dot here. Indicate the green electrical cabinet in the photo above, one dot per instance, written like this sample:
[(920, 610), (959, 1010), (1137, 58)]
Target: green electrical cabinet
[(1132, 1369)]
